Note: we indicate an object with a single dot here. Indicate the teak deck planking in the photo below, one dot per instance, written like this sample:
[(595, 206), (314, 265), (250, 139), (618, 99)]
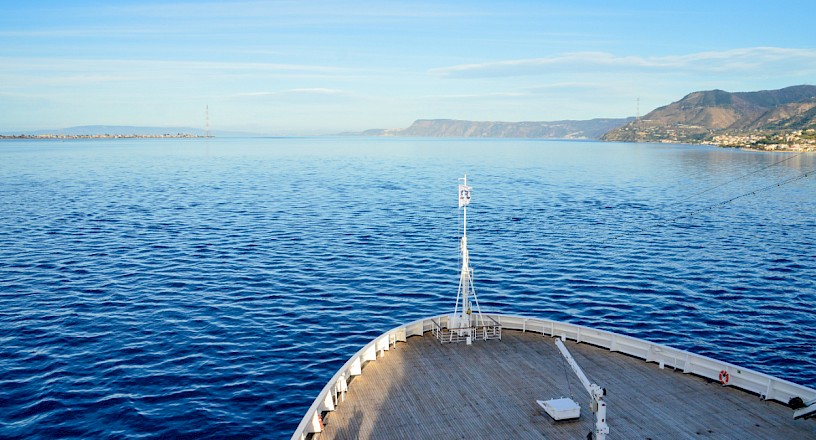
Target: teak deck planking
[(423, 389)]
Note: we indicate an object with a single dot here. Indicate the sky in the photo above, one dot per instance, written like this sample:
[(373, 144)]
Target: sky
[(320, 67)]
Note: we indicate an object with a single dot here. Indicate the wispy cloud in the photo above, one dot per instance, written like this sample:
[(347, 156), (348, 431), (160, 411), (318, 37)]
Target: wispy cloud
[(61, 63), (317, 91), (73, 71), (475, 96), (288, 9), (565, 87), (313, 91), (729, 60)]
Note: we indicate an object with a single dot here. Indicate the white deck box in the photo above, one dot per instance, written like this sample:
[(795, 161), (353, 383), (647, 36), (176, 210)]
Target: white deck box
[(561, 409)]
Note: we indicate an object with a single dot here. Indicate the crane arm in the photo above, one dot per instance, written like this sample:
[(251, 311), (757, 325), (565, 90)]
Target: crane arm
[(596, 392)]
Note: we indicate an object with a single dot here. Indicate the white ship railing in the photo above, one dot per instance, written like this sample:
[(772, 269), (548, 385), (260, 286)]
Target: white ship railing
[(766, 386), (489, 329)]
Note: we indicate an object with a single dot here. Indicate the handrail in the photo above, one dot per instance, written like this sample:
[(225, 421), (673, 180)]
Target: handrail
[(484, 331), (766, 386)]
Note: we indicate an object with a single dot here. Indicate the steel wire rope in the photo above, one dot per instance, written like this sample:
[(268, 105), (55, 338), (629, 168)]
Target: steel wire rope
[(806, 174), (749, 193), (734, 179), (567, 377), (699, 193), (459, 234), (458, 239)]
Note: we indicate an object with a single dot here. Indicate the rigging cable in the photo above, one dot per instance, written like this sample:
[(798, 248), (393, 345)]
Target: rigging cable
[(740, 177), (722, 203), (678, 202), (567, 377), (750, 193)]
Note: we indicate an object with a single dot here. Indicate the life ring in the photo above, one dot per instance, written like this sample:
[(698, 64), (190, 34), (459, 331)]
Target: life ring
[(723, 377)]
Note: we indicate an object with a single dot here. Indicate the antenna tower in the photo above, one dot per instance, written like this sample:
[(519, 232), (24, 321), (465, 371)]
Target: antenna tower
[(467, 322), (207, 121)]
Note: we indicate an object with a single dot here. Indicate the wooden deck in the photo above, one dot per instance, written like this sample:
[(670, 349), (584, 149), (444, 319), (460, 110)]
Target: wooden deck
[(427, 390)]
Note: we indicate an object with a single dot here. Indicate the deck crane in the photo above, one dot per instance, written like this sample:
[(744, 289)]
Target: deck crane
[(598, 406)]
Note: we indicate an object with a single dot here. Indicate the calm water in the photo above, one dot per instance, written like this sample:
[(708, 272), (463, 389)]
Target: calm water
[(210, 288)]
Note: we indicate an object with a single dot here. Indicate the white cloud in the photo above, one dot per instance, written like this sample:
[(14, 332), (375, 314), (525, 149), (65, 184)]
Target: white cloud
[(286, 10), (314, 91), (61, 64), (476, 96), (31, 72), (317, 91), (714, 61)]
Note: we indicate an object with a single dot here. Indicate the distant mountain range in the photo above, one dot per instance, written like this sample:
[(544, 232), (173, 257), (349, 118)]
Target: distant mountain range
[(590, 129), (700, 116)]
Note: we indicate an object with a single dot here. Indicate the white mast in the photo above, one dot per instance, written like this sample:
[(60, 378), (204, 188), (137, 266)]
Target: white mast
[(461, 318)]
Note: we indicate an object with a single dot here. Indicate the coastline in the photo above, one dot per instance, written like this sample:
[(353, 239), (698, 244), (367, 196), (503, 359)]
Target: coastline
[(800, 141), (101, 136), (779, 143), (767, 149)]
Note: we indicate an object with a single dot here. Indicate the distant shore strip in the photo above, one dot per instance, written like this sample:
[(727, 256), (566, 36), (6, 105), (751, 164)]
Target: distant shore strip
[(105, 136)]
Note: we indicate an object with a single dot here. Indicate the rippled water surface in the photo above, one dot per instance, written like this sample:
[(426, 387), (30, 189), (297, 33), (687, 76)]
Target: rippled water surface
[(210, 288)]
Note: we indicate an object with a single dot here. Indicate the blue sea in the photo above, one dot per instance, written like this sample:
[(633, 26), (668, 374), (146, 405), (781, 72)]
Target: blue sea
[(208, 288)]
